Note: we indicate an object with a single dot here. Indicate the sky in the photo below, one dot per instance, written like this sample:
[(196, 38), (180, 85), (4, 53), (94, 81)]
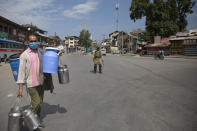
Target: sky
[(69, 17)]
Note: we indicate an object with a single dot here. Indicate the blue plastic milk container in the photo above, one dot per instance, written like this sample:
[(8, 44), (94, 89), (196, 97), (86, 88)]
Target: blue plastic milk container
[(50, 60), (14, 64)]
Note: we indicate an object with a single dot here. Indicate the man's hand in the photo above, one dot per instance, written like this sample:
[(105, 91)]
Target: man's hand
[(20, 90)]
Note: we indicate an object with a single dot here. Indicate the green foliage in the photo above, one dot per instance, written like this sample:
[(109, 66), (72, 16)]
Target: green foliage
[(84, 38), (138, 9), (184, 8), (163, 17), (141, 37)]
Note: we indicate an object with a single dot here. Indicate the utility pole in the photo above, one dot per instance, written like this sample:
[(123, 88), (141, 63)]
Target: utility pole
[(122, 43), (117, 8), (103, 37)]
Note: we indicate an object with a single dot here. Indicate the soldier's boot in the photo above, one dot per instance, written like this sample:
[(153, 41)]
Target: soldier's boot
[(100, 68), (95, 67)]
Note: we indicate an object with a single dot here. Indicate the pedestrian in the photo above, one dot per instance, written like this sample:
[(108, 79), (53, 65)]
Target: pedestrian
[(98, 60), (31, 75), (5, 58), (163, 52)]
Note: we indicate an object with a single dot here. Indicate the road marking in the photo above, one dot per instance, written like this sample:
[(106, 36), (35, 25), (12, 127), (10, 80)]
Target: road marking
[(10, 95)]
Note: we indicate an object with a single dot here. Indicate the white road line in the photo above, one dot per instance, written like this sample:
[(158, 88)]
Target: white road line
[(10, 95)]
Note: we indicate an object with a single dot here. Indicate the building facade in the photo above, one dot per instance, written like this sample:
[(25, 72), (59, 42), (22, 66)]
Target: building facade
[(12, 31), (41, 35), (186, 45), (71, 43), (120, 40)]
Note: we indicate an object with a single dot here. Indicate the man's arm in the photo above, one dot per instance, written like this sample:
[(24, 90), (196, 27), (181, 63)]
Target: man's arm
[(21, 75), (20, 90)]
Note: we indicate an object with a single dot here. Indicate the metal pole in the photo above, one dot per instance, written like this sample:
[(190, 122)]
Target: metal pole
[(122, 42), (117, 7)]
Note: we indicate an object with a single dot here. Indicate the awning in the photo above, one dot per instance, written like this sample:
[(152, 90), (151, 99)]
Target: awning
[(139, 42), (157, 45), (10, 41)]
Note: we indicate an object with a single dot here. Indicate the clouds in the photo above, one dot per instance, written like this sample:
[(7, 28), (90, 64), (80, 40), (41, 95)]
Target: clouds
[(27, 11), (78, 11)]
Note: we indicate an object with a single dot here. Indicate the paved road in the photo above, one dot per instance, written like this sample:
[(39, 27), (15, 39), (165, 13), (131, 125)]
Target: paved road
[(132, 94)]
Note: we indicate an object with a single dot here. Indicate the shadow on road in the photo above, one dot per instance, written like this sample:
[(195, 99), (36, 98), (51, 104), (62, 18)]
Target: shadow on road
[(92, 71), (48, 109)]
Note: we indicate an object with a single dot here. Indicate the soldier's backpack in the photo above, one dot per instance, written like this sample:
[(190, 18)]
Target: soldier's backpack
[(97, 54)]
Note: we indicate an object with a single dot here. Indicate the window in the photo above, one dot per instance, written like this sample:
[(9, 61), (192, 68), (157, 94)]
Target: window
[(6, 29), (10, 31), (8, 45), (4, 45), (1, 28), (11, 45), (1, 45), (14, 31), (21, 46)]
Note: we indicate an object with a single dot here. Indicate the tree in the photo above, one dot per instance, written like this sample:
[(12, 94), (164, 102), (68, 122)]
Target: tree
[(163, 17), (184, 7), (138, 9), (84, 38), (159, 21)]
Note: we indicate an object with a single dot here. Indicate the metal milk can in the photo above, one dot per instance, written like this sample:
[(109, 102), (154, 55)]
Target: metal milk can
[(15, 119), (31, 119), (63, 74)]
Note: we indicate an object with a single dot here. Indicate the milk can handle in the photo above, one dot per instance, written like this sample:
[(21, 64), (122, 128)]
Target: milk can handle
[(18, 102)]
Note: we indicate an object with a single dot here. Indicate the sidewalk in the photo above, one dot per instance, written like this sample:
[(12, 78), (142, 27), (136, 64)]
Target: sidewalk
[(174, 56), (181, 56), (170, 56)]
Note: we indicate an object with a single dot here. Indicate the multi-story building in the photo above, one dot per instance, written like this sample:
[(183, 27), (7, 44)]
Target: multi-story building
[(54, 40), (184, 43), (119, 41), (12, 37), (12, 31), (72, 43), (40, 34), (113, 38), (136, 45)]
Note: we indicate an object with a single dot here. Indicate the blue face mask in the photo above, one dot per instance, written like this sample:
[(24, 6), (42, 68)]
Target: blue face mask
[(33, 45)]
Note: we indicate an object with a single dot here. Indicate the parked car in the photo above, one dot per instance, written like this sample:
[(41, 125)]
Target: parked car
[(103, 51)]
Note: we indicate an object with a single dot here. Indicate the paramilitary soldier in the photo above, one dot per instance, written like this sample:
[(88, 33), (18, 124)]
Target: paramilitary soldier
[(98, 60)]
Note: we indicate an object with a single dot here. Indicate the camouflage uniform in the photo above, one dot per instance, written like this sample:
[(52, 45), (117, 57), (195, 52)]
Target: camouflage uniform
[(98, 61)]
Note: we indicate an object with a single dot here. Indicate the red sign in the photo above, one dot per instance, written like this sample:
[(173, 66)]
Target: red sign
[(165, 40), (10, 50)]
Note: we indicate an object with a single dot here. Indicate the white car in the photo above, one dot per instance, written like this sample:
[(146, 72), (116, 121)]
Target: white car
[(103, 51)]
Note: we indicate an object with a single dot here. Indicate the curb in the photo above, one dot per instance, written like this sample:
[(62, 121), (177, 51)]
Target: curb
[(183, 57)]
